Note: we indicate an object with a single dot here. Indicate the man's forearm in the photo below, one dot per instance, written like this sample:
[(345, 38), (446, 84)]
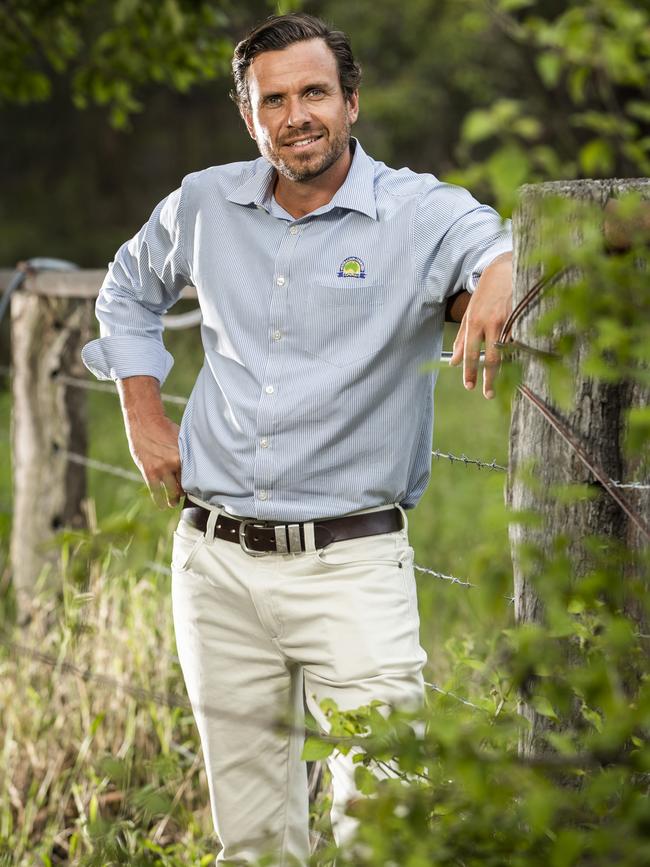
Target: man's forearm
[(152, 437), (140, 398)]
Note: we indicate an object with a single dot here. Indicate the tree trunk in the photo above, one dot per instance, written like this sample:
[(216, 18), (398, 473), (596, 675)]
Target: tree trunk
[(596, 418), (48, 419)]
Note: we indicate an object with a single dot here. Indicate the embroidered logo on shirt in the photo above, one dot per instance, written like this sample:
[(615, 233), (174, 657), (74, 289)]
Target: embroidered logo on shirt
[(352, 267)]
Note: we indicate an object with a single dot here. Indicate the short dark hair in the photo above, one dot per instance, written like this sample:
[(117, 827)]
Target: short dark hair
[(280, 31)]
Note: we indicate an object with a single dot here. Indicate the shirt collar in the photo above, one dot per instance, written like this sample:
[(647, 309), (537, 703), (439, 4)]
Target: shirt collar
[(356, 193)]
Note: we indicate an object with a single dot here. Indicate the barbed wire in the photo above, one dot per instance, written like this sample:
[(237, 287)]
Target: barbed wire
[(453, 695), (451, 578), (90, 385), (463, 459)]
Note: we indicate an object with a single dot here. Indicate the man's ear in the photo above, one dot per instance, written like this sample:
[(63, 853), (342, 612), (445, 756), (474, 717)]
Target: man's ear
[(248, 120), (353, 106)]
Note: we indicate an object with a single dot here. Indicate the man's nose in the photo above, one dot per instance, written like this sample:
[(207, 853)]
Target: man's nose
[(298, 114)]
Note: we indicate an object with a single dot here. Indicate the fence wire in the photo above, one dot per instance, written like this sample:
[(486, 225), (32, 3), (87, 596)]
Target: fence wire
[(463, 459), (102, 467), (134, 477), (91, 385)]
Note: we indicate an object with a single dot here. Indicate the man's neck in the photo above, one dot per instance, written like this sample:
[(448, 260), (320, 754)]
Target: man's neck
[(300, 198)]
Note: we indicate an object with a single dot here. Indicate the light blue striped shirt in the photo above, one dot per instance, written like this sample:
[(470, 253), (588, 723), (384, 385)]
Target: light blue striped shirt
[(311, 401)]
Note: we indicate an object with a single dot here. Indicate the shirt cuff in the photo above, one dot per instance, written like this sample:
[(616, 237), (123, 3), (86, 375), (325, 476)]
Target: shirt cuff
[(489, 256), (120, 356)]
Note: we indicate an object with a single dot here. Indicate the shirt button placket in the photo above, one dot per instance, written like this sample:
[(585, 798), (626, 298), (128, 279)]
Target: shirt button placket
[(265, 467)]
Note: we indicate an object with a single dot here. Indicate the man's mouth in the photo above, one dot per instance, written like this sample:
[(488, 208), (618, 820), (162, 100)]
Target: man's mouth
[(303, 142)]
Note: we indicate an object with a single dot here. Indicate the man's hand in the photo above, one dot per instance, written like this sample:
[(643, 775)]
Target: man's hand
[(153, 438), (486, 313)]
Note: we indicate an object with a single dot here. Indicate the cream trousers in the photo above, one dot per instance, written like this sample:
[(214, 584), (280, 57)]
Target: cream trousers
[(257, 637)]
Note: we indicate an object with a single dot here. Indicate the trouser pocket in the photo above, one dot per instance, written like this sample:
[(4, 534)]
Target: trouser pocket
[(187, 543)]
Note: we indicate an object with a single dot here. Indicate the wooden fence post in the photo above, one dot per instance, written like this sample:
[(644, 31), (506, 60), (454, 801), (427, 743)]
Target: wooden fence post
[(596, 418), (48, 419)]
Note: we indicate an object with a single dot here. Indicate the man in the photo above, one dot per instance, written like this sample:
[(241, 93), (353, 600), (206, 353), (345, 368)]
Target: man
[(323, 278)]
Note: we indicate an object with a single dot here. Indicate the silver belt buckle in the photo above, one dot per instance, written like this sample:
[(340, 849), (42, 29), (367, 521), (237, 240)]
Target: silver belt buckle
[(242, 539)]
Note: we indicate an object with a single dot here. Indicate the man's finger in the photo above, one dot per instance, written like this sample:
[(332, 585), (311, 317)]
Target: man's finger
[(459, 345), (491, 369), (471, 359), (172, 490), (158, 493)]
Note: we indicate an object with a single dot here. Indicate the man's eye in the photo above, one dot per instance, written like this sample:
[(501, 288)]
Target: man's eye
[(315, 91), (272, 100)]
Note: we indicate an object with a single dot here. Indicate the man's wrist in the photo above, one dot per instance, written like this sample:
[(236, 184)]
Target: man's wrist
[(501, 259), (140, 398)]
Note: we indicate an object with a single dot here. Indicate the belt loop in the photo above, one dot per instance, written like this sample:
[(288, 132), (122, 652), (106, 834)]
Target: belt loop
[(310, 537), (212, 520), (404, 518)]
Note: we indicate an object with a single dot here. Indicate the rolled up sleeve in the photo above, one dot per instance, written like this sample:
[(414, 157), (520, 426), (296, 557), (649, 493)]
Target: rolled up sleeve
[(143, 281), (456, 238)]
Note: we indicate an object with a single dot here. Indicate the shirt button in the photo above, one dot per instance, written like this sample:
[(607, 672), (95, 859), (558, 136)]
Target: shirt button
[(264, 443), (277, 335), (263, 495), (280, 281), (269, 389), (294, 230)]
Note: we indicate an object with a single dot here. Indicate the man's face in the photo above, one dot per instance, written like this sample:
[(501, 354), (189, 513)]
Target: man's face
[(298, 114)]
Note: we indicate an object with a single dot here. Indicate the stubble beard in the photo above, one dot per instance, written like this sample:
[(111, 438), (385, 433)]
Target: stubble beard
[(306, 170)]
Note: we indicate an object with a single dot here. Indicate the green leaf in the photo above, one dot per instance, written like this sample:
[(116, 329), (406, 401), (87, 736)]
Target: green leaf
[(543, 706), (561, 384), (508, 168), (638, 432), (596, 157), (478, 125), (549, 66), (577, 83), (316, 749), (365, 781)]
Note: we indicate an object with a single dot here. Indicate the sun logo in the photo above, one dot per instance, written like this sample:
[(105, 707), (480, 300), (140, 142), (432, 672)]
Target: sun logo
[(352, 267)]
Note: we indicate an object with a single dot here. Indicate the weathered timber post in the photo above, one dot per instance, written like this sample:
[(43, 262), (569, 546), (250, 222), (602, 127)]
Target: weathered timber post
[(48, 419), (596, 419)]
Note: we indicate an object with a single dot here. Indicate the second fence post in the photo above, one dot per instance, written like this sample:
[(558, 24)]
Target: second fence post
[(48, 419)]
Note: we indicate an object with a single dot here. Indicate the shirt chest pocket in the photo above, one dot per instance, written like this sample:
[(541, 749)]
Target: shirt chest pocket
[(341, 324)]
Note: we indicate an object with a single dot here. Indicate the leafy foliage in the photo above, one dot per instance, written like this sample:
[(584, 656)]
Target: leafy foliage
[(109, 51), (580, 110)]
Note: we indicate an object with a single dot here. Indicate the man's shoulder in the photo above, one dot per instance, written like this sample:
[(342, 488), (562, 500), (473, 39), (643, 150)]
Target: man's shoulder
[(426, 193), (402, 182), (225, 178)]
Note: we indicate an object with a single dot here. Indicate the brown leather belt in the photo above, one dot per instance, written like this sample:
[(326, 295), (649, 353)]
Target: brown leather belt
[(263, 537)]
